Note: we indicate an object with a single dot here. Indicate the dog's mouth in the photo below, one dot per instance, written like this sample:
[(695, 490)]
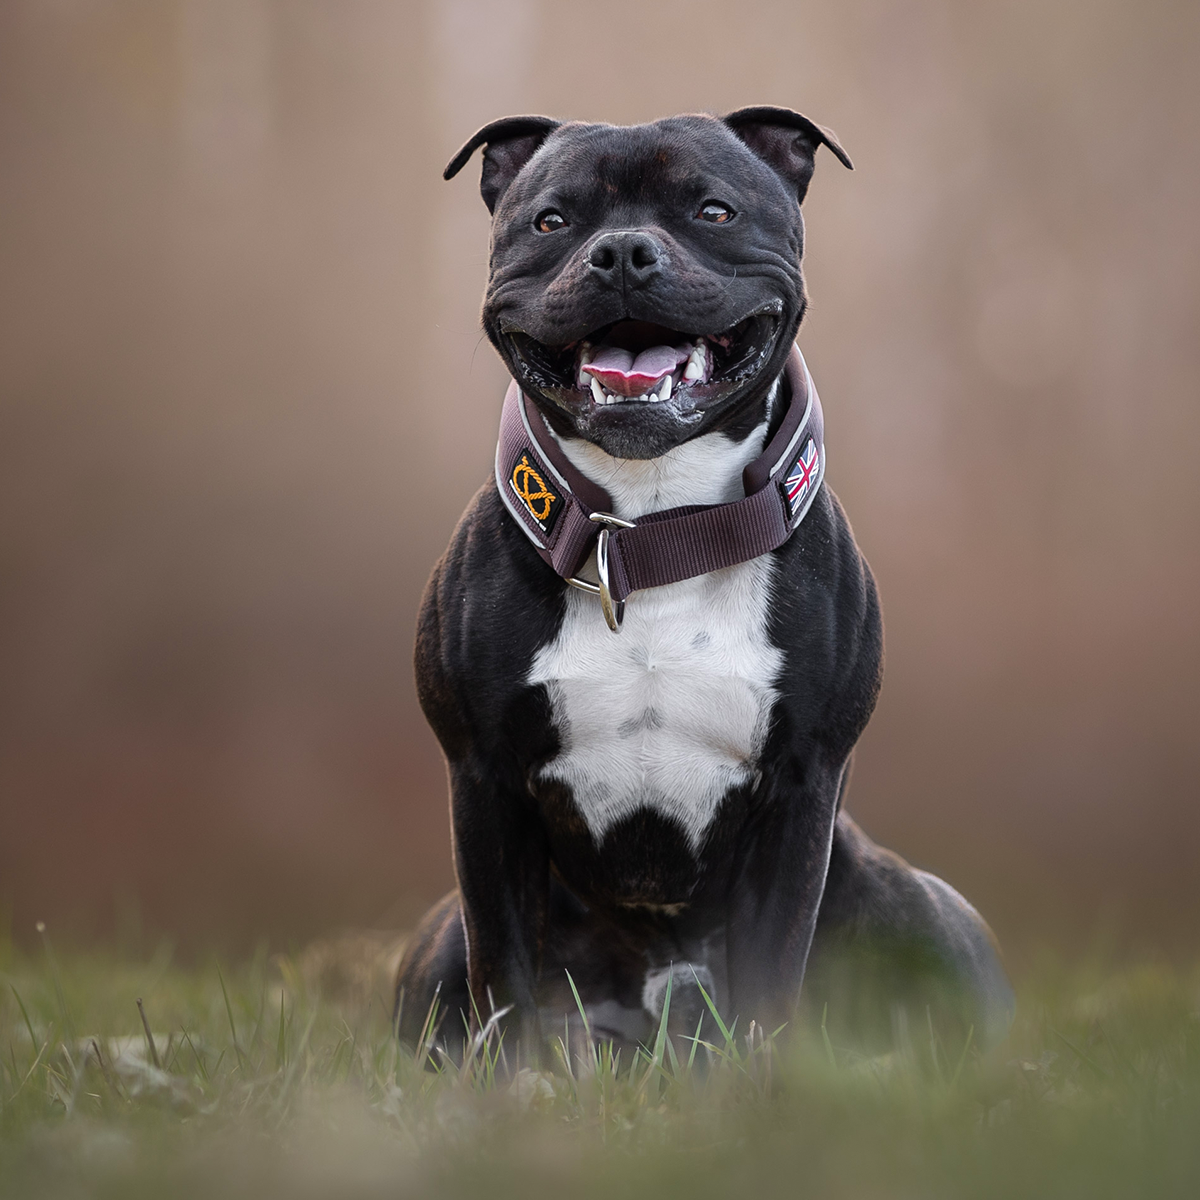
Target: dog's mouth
[(634, 363)]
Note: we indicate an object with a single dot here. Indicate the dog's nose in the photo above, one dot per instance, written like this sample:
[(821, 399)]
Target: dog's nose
[(629, 258)]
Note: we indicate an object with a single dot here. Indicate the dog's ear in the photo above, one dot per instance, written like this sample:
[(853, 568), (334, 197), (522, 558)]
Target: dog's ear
[(785, 141), (508, 145)]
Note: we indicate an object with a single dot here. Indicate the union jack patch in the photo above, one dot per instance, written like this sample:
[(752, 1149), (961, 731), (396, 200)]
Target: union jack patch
[(801, 478)]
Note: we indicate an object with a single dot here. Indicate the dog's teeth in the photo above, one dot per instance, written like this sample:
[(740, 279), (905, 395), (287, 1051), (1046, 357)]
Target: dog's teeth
[(665, 391), (693, 370), (597, 391)]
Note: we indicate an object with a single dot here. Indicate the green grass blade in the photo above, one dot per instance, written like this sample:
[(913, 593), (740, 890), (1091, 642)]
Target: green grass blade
[(962, 1058), (1083, 1056), (55, 975), (29, 1074), (587, 1025), (825, 1038), (712, 1008), (672, 1056), (149, 1036), (25, 1017), (695, 1043), (200, 1066), (429, 1029), (281, 1038), (232, 1027), (655, 1066)]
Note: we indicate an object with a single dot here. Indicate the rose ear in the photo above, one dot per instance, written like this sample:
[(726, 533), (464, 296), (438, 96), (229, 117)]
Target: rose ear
[(785, 141), (509, 144)]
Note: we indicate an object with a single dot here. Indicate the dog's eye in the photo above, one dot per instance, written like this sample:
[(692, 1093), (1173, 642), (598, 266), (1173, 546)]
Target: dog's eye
[(715, 212), (550, 220)]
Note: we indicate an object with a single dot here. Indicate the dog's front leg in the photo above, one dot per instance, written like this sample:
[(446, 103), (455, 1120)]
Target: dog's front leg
[(773, 911), (503, 870)]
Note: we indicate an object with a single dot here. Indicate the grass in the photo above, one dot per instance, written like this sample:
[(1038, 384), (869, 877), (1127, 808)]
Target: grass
[(127, 1079)]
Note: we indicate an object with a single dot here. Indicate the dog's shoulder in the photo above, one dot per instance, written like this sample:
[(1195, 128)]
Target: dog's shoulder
[(825, 613), (489, 605)]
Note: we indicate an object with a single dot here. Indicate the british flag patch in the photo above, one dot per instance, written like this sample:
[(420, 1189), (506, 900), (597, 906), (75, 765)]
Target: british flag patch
[(801, 478)]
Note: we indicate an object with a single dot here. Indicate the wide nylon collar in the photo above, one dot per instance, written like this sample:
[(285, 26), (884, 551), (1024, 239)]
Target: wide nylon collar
[(562, 512)]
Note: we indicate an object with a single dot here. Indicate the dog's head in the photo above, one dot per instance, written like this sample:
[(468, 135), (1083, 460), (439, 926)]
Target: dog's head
[(645, 282)]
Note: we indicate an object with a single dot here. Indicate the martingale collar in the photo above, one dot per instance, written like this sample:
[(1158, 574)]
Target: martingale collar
[(563, 513)]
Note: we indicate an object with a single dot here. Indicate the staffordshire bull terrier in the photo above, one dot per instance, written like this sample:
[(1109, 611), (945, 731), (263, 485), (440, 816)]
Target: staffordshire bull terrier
[(653, 642)]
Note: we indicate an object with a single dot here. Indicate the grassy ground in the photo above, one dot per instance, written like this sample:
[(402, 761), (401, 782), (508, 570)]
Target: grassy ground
[(278, 1077)]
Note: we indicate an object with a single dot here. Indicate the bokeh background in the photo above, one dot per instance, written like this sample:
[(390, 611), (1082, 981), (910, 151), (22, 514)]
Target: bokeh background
[(244, 398)]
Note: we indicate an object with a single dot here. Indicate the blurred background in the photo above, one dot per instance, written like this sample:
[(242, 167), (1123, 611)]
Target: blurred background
[(244, 399)]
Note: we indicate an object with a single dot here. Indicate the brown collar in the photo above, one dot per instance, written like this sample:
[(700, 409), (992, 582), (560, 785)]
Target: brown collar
[(562, 512)]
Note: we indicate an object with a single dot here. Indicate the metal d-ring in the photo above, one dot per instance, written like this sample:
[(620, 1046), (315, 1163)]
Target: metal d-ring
[(614, 614), (613, 610)]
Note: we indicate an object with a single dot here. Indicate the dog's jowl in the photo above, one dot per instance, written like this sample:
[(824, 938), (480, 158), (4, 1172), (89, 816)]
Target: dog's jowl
[(653, 643)]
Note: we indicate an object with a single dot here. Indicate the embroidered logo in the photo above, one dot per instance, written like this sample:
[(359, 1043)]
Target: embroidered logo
[(540, 502), (801, 478)]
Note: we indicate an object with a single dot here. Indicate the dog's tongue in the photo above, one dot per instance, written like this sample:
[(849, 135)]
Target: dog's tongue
[(628, 375)]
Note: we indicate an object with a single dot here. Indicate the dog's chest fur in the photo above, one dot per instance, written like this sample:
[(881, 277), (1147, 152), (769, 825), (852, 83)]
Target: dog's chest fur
[(672, 712)]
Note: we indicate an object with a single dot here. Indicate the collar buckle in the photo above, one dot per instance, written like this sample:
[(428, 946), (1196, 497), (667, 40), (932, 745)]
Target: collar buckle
[(613, 610)]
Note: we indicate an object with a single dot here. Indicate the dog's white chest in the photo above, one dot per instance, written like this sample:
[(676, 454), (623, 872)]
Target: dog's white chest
[(672, 712)]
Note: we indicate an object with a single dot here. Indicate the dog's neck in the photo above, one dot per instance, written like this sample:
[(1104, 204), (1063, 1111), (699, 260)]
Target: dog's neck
[(705, 470)]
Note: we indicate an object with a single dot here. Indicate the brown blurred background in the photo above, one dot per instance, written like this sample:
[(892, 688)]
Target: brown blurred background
[(243, 400)]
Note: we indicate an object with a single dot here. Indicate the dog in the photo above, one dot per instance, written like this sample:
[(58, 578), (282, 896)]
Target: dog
[(653, 643)]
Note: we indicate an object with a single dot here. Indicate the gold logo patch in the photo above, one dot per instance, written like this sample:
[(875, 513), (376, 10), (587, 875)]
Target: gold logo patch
[(543, 504)]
